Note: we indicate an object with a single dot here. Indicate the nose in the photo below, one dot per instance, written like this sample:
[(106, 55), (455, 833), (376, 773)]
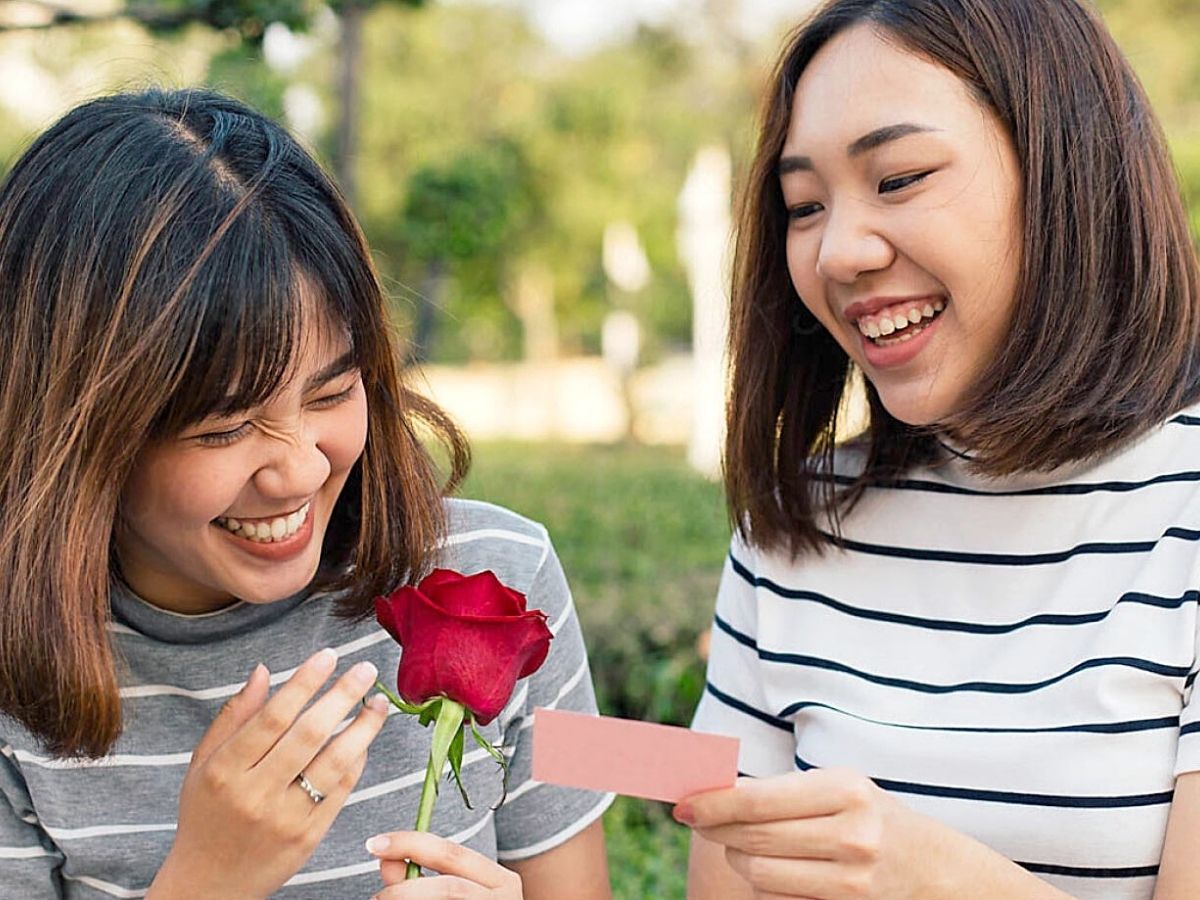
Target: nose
[(850, 246), (296, 467)]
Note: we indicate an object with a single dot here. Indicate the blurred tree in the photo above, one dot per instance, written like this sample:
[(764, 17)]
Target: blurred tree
[(467, 212), (247, 18)]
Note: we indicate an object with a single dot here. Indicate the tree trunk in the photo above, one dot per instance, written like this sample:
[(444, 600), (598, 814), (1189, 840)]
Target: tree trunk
[(349, 70), (433, 294)]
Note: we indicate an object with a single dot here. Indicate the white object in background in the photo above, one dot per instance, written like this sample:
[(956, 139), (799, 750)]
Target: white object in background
[(624, 260), (704, 235), (621, 341)]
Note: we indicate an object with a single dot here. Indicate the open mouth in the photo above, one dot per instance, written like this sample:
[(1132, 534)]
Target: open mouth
[(266, 531), (899, 323)]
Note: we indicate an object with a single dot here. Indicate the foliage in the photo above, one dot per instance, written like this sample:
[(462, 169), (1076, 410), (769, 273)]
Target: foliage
[(248, 18), (642, 539)]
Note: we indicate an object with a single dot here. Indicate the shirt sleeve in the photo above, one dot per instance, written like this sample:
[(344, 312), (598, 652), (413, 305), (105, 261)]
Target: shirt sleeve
[(734, 702), (537, 817), (29, 861)]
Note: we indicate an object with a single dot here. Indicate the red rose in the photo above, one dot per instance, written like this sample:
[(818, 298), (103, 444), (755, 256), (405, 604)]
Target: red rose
[(467, 637)]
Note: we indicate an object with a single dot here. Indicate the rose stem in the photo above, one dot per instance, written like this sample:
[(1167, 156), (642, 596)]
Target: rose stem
[(449, 720)]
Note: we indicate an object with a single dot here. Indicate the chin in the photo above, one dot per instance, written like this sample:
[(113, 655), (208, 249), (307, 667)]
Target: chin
[(919, 412)]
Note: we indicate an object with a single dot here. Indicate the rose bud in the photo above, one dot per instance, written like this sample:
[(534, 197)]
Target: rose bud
[(466, 637)]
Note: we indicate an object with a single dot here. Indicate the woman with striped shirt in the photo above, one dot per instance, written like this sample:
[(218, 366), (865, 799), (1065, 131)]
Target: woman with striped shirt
[(209, 467), (960, 648)]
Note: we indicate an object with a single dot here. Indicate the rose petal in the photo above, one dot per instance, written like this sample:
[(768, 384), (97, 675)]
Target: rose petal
[(480, 594)]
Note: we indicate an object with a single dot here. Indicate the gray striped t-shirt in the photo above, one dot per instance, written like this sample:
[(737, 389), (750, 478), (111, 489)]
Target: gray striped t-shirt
[(100, 829)]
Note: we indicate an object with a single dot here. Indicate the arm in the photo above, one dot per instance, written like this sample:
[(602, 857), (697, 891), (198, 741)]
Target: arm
[(1179, 873), (29, 861), (709, 876), (580, 862)]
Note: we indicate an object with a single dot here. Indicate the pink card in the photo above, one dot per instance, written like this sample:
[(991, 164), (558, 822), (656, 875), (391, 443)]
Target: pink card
[(640, 759)]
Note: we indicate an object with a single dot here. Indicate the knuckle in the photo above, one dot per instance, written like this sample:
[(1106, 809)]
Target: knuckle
[(310, 731), (755, 806), (861, 843), (757, 840), (859, 883), (755, 869), (274, 719)]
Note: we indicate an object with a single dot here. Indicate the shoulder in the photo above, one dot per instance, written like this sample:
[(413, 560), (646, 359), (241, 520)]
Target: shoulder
[(468, 517), (486, 536)]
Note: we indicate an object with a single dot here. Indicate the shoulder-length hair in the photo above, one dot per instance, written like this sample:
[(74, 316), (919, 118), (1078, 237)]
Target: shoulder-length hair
[(156, 250), (1105, 336)]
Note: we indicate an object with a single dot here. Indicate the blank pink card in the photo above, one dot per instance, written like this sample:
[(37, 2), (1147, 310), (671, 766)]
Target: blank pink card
[(639, 759)]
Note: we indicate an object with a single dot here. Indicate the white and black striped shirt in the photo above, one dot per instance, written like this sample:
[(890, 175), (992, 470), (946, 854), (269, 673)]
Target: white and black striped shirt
[(1015, 658)]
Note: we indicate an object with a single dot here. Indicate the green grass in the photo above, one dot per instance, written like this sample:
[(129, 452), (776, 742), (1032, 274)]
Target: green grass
[(642, 539)]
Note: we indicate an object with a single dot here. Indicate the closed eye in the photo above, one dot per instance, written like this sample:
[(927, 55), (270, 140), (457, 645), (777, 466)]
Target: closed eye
[(222, 438), (333, 399), (803, 210), (900, 182)]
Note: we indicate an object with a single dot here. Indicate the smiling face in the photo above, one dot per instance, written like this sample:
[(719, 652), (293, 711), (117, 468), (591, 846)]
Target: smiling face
[(904, 220), (237, 507)]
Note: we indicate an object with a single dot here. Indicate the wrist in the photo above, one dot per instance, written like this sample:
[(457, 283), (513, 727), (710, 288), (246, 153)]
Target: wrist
[(962, 866), (173, 883)]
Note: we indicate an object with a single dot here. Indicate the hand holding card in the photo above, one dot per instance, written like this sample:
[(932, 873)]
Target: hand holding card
[(638, 759)]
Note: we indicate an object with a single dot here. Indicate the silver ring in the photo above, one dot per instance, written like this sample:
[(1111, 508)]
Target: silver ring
[(306, 785)]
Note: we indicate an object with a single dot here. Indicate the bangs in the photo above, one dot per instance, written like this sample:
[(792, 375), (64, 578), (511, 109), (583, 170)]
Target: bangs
[(259, 296)]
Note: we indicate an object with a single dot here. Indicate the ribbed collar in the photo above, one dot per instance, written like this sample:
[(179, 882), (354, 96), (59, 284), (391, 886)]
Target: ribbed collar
[(176, 628)]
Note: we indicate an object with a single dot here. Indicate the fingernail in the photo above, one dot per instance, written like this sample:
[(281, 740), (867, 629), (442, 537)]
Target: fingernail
[(378, 703), (364, 674), (377, 844), (326, 659), (684, 814)]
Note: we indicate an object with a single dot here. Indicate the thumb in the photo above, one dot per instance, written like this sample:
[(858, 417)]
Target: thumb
[(234, 714)]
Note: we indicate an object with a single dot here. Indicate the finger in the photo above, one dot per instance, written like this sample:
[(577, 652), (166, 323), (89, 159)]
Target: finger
[(794, 877), (336, 769), (236, 711), (815, 838), (797, 795), (444, 887), (441, 855), (308, 734), (276, 716)]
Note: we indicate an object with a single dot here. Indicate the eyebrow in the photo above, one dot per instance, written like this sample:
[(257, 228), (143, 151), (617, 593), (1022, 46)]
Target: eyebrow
[(868, 142), (347, 362)]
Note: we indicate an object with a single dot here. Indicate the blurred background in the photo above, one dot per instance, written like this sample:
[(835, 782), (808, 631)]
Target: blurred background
[(547, 187)]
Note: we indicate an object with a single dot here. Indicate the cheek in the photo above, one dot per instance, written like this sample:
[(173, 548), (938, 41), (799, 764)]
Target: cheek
[(344, 442), (802, 267), (176, 492)]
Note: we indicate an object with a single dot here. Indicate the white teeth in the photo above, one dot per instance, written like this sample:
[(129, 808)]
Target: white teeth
[(886, 326), (900, 322), (914, 316), (872, 330), (277, 529), (927, 312), (906, 337), (938, 305)]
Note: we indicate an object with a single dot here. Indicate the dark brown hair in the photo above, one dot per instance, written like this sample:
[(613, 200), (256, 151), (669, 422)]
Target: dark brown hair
[(155, 252), (1105, 337)]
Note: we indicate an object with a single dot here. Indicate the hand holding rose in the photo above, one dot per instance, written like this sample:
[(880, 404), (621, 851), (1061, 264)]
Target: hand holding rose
[(464, 873)]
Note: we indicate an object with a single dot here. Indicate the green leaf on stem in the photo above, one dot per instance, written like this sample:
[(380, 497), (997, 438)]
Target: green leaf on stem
[(430, 712), (455, 757), (411, 708), (495, 754)]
